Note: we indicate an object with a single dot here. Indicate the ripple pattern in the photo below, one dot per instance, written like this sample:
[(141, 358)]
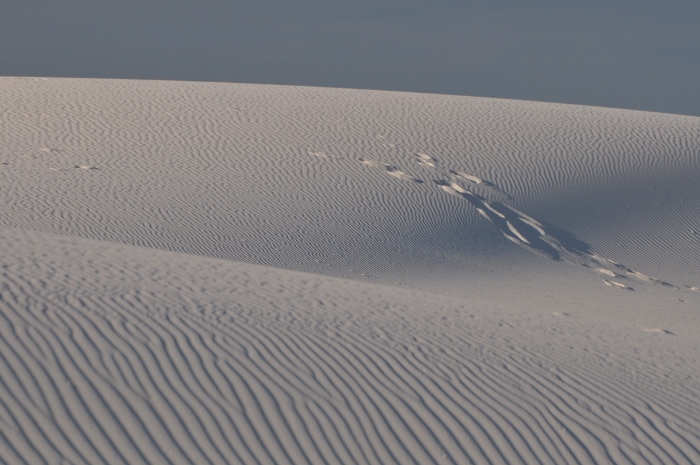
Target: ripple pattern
[(231, 171), (115, 354)]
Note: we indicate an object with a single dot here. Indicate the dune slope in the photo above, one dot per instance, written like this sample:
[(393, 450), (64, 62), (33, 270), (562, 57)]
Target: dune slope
[(345, 182), (114, 354), (225, 273)]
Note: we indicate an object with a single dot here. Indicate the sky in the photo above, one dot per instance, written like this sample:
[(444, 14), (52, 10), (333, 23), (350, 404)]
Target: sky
[(635, 54)]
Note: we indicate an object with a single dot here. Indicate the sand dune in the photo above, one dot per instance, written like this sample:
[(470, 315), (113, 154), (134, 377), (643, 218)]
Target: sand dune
[(205, 168), (126, 355), (223, 273)]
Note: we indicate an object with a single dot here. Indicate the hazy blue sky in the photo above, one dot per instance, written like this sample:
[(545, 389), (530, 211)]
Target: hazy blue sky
[(639, 54)]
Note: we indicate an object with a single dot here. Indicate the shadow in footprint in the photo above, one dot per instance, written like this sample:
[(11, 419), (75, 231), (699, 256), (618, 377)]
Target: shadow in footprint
[(480, 181), (536, 236), (564, 239), (398, 174), (547, 239)]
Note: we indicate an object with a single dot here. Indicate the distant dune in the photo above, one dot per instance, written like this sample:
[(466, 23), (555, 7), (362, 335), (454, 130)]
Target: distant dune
[(227, 273)]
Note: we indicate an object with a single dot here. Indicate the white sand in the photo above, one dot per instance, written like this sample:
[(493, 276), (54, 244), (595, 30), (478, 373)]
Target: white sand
[(222, 273)]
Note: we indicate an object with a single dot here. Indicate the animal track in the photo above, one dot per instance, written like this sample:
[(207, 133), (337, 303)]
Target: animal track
[(525, 231), (647, 278), (479, 181), (561, 314), (372, 163), (469, 177), (607, 272), (320, 154), (539, 237), (317, 153), (517, 226), (391, 170), (618, 285), (426, 160), (659, 330), (397, 173)]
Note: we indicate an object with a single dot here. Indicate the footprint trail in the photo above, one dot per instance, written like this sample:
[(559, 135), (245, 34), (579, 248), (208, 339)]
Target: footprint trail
[(541, 238)]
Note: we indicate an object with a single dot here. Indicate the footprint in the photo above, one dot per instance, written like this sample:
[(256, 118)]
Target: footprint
[(391, 170), (516, 232), (479, 181), (630, 273), (548, 240), (659, 330), (426, 160), (536, 225), (397, 173), (648, 279), (452, 188), (607, 272), (601, 260), (318, 153), (372, 163), (513, 224), (470, 178), (618, 285)]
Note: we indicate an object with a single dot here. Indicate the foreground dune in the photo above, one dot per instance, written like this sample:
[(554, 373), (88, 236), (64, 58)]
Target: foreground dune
[(224, 273)]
